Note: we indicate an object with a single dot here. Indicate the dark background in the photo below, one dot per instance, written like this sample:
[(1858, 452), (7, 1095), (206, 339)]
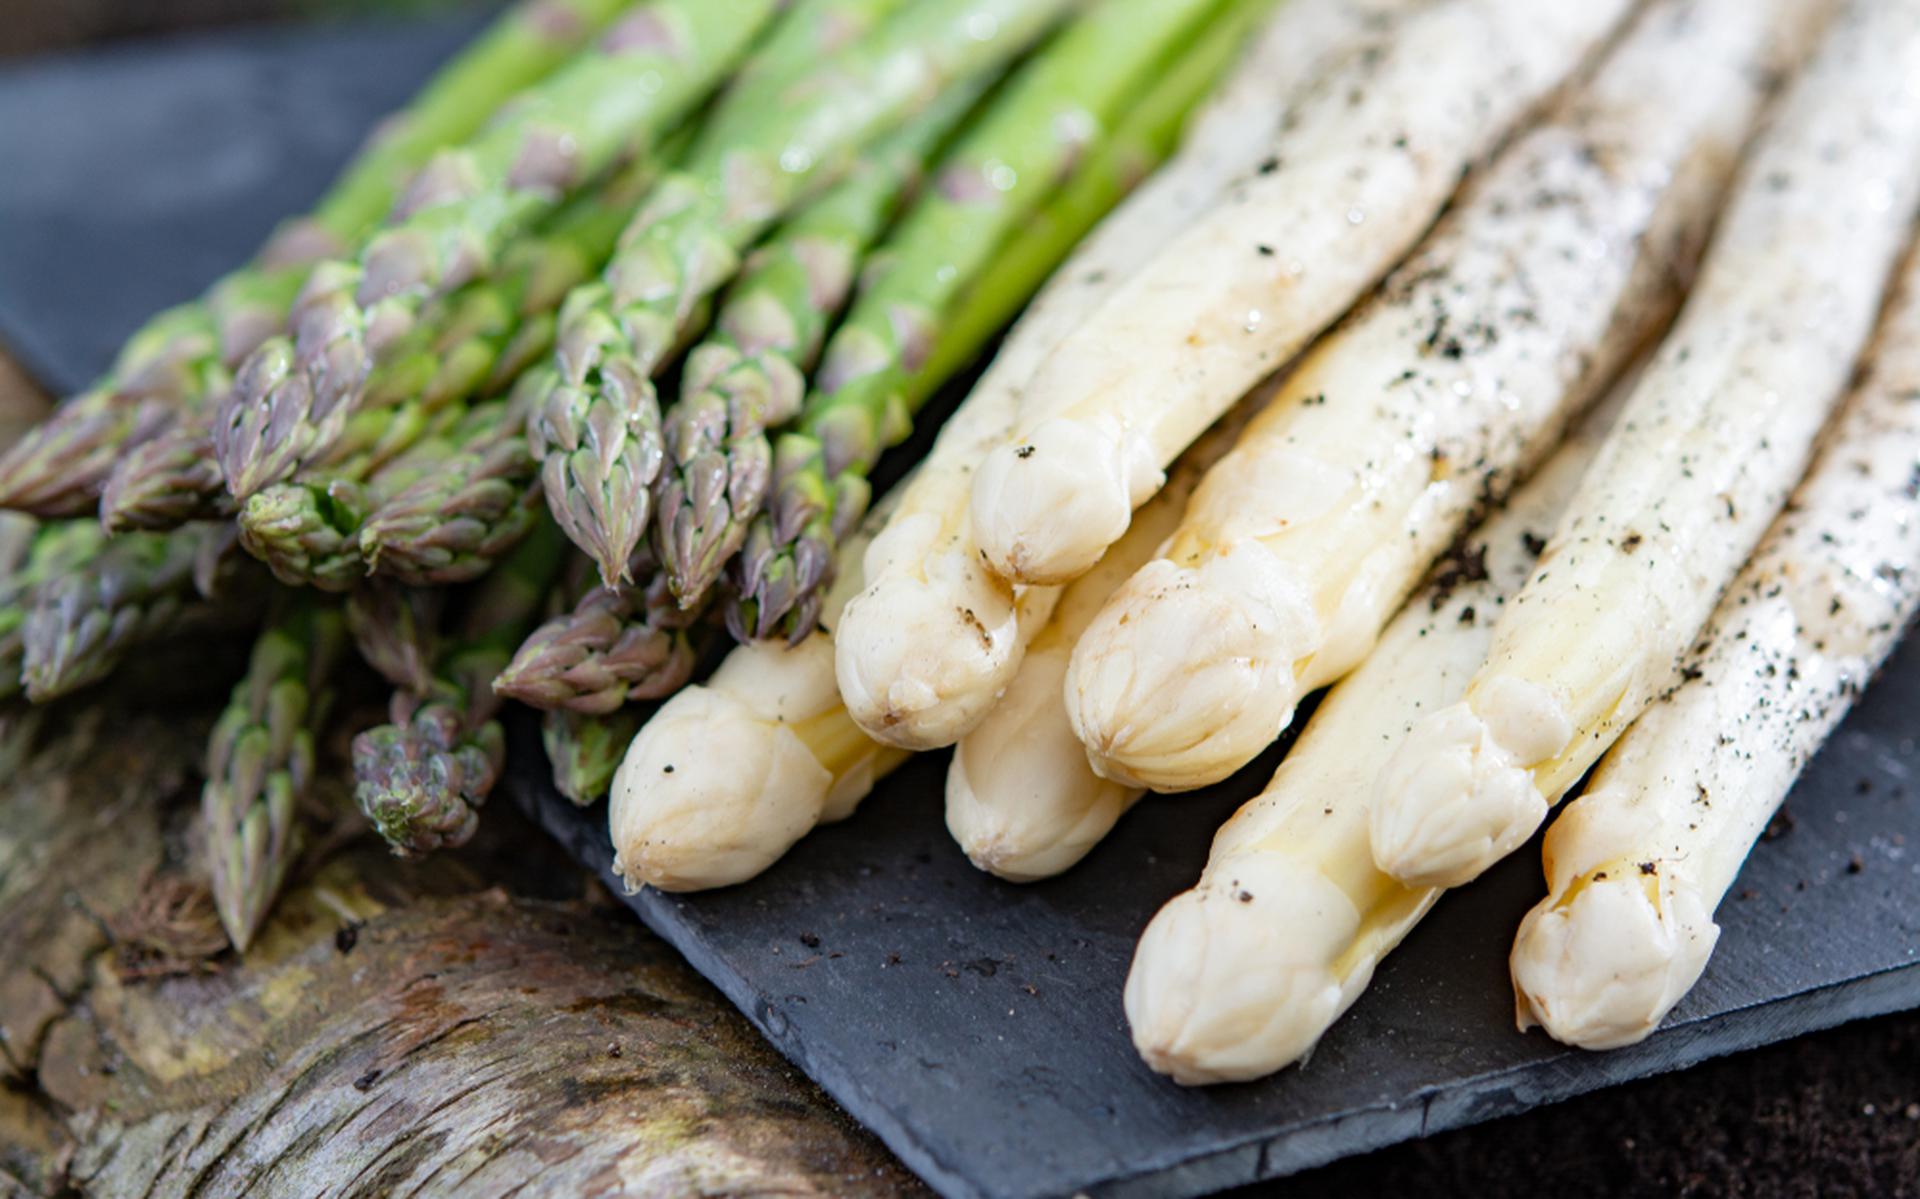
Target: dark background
[(34, 26), (1836, 1113)]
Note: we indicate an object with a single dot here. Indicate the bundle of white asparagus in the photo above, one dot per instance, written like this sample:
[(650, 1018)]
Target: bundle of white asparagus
[(1444, 227)]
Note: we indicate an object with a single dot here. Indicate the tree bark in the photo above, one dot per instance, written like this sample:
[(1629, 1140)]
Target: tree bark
[(485, 1022)]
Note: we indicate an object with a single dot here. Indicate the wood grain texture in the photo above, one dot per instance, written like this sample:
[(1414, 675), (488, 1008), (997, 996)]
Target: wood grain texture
[(398, 1029)]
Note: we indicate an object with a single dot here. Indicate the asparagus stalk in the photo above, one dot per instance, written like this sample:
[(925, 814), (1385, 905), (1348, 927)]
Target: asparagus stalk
[(1022, 801), (1363, 164), (871, 378), (615, 646), (463, 512), (584, 751), (1636, 866), (1720, 428), (470, 343), (32, 556), (260, 761), (729, 774), (1241, 975), (113, 595), (599, 433), (810, 33), (396, 630), (1385, 438), (750, 375), (933, 639), (422, 778), (459, 213), (179, 361), (167, 480)]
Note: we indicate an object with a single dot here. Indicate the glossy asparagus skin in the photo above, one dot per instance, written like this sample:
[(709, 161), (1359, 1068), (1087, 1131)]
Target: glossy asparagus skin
[(1034, 135)]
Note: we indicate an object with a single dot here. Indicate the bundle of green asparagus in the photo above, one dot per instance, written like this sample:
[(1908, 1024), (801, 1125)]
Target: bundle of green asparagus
[(467, 355), (181, 360)]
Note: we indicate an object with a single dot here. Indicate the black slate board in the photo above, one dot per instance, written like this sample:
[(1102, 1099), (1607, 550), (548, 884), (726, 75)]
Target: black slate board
[(974, 1025)]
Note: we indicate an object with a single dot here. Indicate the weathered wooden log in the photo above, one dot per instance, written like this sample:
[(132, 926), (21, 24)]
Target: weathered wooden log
[(476, 1024)]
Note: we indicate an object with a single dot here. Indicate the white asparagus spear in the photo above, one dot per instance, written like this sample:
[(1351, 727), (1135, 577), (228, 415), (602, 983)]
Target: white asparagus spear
[(1022, 800), (1718, 432), (1362, 164), (1556, 262), (728, 774), (926, 648), (1636, 866), (1243, 974)]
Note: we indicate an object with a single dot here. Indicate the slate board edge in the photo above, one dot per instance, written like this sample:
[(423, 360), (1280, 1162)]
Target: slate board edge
[(1308, 1144), (575, 830)]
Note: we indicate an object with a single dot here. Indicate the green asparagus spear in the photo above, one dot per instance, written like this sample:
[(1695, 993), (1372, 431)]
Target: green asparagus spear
[(599, 433), (167, 480), (584, 751), (455, 520), (1142, 140), (458, 215), (422, 778), (470, 343), (181, 359), (308, 533), (396, 630), (260, 762), (1003, 168), (750, 374), (32, 555), (119, 593), (811, 32), (18, 535), (615, 646)]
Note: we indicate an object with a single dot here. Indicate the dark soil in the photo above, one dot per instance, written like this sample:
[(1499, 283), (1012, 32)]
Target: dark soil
[(1832, 1114)]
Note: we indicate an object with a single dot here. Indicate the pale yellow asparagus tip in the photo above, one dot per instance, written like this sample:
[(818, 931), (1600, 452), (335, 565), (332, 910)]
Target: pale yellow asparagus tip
[(1239, 976), (727, 777), (927, 673), (1186, 673), (1602, 960), (1459, 794), (1020, 801), (1047, 507)]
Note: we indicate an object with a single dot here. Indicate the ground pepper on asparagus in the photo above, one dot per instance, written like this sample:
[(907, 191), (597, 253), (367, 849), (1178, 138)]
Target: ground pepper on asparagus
[(1002, 169)]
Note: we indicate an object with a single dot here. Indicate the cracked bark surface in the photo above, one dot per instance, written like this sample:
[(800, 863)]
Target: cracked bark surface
[(484, 1023), (399, 1029)]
